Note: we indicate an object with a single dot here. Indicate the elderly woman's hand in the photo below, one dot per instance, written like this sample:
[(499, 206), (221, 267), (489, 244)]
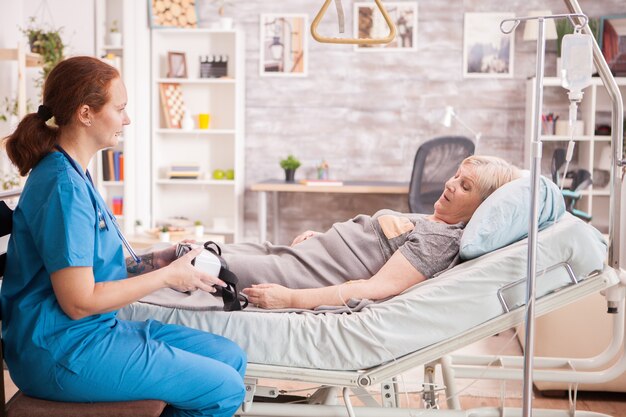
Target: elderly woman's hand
[(269, 296), (183, 276), (304, 236)]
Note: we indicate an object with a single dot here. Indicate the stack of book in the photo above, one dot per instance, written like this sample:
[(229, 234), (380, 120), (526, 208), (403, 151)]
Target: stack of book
[(112, 165), (186, 172)]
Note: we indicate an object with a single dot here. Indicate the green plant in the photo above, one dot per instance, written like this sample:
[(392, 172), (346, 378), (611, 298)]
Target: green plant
[(564, 27), (10, 180), (114, 26), (138, 222), (47, 43), (197, 223), (291, 162), (8, 108), (164, 229)]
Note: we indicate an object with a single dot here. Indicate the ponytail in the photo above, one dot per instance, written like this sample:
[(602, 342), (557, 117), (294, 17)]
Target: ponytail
[(30, 142)]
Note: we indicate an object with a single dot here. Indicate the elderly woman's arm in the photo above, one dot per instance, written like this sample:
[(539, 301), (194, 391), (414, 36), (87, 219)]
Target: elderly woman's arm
[(394, 277)]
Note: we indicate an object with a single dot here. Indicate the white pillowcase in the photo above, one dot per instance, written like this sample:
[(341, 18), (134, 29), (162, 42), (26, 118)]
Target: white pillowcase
[(503, 217)]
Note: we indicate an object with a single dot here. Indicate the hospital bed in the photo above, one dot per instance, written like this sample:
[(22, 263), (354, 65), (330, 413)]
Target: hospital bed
[(353, 352)]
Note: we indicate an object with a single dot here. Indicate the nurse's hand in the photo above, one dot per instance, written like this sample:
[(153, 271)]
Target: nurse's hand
[(269, 295), (166, 256), (304, 236), (183, 276)]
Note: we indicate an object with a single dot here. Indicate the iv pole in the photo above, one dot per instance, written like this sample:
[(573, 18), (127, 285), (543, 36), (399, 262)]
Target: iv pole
[(533, 224)]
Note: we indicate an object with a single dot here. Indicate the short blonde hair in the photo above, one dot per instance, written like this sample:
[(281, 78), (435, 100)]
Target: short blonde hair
[(491, 172)]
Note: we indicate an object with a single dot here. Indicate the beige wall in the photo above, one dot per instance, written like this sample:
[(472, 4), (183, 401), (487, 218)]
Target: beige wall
[(366, 113)]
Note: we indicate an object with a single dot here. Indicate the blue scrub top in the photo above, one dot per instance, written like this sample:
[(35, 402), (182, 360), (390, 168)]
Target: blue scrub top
[(58, 223)]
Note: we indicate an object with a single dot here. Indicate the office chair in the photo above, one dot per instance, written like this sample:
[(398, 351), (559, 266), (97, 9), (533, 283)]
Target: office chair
[(575, 181), (435, 162), (21, 405)]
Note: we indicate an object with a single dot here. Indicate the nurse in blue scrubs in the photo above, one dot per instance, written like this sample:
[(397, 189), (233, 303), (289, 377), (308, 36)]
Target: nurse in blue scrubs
[(66, 275)]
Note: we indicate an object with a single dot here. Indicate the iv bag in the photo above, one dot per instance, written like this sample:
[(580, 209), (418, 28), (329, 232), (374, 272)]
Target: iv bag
[(577, 61)]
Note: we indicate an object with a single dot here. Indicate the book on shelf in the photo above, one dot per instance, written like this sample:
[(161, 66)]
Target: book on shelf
[(187, 172), (112, 165), (314, 182)]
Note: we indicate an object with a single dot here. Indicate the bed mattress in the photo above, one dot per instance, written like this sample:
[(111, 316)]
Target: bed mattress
[(428, 313)]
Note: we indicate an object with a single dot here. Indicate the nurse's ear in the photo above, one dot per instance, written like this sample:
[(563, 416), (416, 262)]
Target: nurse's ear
[(84, 115)]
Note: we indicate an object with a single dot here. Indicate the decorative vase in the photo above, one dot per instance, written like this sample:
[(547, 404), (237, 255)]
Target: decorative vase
[(187, 122), (199, 231), (164, 236), (115, 39), (290, 175), (139, 229)]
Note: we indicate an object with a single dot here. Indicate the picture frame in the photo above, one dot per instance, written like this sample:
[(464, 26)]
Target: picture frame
[(176, 65), (612, 34), (284, 45), (369, 23), (181, 14), (487, 52)]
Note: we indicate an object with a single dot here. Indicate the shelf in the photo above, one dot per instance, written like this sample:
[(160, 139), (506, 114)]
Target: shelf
[(195, 31), (195, 182), (196, 131), (556, 81), (196, 80), (113, 183), (11, 54)]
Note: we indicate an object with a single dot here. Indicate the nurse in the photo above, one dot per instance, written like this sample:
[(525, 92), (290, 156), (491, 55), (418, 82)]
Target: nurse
[(66, 276)]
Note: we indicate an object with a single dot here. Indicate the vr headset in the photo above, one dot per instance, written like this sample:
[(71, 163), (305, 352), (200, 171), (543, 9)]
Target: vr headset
[(211, 262)]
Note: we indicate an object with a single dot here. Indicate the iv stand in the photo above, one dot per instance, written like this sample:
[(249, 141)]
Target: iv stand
[(533, 224)]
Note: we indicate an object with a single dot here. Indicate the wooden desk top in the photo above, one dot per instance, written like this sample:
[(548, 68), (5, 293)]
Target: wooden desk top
[(348, 187)]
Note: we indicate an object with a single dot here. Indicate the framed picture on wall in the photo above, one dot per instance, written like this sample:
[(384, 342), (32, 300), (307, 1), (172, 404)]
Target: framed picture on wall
[(284, 45), (613, 42), (166, 13), (176, 65), (487, 52), (369, 23)]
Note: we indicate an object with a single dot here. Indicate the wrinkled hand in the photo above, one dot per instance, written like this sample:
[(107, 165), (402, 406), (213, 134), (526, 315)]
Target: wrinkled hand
[(304, 236), (183, 276), (269, 295)]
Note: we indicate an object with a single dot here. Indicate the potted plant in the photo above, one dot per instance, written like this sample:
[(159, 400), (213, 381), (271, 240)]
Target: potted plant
[(226, 23), (48, 44), (198, 228), (138, 227), (164, 234), (290, 164), (115, 37)]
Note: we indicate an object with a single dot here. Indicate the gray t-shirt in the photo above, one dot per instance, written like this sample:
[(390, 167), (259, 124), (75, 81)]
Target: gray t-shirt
[(429, 246)]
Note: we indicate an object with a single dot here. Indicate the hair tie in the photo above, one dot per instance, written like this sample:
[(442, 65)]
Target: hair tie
[(44, 113)]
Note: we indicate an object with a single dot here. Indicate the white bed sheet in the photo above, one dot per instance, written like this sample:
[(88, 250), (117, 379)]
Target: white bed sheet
[(430, 312)]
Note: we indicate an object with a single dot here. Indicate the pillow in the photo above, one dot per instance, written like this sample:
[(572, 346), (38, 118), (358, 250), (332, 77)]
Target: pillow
[(503, 217)]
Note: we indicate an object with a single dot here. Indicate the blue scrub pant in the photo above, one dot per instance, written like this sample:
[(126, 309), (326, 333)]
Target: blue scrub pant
[(196, 373)]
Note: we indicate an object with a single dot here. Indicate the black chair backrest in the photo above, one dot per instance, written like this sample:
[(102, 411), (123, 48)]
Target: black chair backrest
[(558, 159), (6, 225), (436, 160)]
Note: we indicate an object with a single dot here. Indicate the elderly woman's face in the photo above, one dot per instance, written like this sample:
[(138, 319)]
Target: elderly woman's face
[(460, 198)]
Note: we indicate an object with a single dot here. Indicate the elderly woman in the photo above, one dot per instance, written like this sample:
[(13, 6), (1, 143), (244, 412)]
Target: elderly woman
[(368, 257)]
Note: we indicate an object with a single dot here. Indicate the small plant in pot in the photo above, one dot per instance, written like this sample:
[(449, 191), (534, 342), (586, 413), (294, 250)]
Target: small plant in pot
[(47, 43), (164, 234), (290, 164), (198, 229)]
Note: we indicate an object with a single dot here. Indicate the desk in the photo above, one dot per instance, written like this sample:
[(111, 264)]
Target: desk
[(348, 187)]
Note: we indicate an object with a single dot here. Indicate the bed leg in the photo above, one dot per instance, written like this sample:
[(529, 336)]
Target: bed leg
[(250, 384), (429, 397), (447, 372)]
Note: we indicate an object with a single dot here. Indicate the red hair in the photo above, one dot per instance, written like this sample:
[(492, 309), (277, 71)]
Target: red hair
[(72, 83)]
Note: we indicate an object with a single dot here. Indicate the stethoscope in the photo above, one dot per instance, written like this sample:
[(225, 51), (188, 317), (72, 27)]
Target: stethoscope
[(102, 224)]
